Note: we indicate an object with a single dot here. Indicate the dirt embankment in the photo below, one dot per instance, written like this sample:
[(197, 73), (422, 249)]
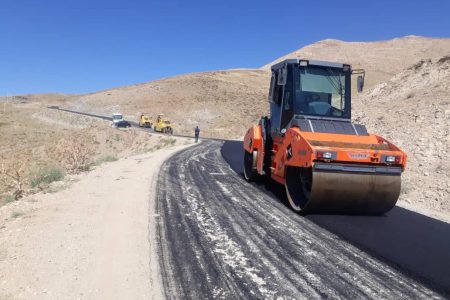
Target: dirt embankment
[(413, 111)]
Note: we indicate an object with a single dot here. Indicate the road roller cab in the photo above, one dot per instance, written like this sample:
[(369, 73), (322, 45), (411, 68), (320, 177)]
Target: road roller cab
[(309, 144)]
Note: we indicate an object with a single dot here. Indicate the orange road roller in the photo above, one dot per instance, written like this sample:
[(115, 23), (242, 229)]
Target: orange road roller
[(309, 144)]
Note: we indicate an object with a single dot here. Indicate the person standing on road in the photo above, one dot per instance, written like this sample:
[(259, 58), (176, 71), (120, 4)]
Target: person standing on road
[(197, 133)]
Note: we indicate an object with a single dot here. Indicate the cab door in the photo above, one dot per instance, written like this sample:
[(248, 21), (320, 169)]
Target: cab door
[(281, 112)]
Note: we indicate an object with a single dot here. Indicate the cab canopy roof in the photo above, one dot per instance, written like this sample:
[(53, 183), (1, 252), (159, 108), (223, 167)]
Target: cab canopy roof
[(309, 62)]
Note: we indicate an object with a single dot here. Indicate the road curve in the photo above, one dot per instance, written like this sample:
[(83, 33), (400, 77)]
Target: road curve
[(222, 238)]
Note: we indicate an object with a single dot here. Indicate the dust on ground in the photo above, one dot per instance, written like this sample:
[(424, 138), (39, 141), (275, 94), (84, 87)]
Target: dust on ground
[(89, 241)]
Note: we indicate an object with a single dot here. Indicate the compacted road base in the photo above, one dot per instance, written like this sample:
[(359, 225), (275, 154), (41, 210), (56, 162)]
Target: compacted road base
[(222, 238)]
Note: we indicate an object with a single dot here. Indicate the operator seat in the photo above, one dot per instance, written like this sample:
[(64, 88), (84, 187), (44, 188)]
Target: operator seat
[(319, 108)]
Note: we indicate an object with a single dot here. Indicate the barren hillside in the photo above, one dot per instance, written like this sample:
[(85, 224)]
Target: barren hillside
[(381, 59), (413, 110), (40, 145), (225, 103), (222, 103)]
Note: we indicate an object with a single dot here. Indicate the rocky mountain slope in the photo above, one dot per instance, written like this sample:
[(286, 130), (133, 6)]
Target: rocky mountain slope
[(225, 103), (380, 59)]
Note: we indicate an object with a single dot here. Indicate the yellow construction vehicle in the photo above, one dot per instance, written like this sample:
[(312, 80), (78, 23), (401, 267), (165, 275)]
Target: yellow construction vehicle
[(145, 121), (163, 125)]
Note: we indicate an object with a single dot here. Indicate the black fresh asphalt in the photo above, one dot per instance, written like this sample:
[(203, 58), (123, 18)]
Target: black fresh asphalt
[(223, 238)]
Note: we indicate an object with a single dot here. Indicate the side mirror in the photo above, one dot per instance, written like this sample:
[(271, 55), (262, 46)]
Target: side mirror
[(360, 83)]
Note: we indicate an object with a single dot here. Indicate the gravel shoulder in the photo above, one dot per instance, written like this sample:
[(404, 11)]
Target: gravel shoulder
[(90, 241)]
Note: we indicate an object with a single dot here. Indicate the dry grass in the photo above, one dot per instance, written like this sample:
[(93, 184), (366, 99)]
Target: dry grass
[(45, 175), (6, 199), (16, 214), (104, 159)]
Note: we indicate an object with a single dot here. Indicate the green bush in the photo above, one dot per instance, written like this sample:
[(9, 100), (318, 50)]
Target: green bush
[(46, 175), (6, 199)]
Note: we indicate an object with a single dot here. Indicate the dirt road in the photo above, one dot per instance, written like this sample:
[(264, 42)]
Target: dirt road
[(222, 238), (91, 241)]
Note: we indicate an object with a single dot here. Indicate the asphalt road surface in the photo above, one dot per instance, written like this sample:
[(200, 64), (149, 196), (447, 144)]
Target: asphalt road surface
[(132, 123), (223, 238)]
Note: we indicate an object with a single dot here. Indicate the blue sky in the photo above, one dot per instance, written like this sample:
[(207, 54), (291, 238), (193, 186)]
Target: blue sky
[(83, 46)]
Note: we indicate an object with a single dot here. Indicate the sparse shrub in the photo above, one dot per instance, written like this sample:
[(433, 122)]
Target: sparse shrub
[(75, 153), (7, 199), (444, 59), (16, 214), (168, 141), (104, 159), (117, 138), (46, 175), (419, 64), (13, 172)]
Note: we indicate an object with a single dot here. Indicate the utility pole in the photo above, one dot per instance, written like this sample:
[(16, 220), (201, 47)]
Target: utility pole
[(7, 99), (5, 102)]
